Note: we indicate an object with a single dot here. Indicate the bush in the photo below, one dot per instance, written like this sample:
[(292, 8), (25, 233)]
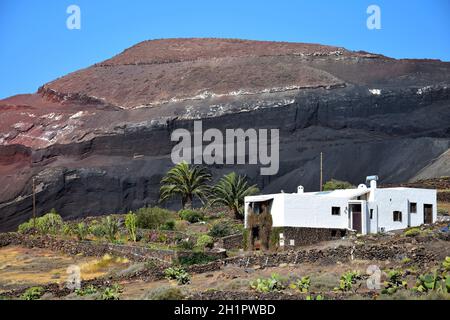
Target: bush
[(394, 282), (50, 223), (195, 258), (152, 218), (169, 225), (90, 290), (25, 227), (178, 274), (32, 293), (181, 225), (267, 285), (412, 232), (131, 225), (347, 280), (205, 241), (97, 229), (112, 293), (186, 244), (301, 284), (221, 229), (111, 227), (164, 293), (334, 184), (81, 231), (191, 215), (442, 212)]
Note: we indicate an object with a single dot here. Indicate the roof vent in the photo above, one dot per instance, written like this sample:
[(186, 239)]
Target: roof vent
[(372, 180), (300, 189)]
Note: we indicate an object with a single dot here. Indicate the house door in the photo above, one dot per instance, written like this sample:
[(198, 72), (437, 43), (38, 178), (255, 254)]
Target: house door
[(428, 213), (355, 212)]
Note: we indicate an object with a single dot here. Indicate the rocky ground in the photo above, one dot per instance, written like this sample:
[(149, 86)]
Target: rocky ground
[(230, 278)]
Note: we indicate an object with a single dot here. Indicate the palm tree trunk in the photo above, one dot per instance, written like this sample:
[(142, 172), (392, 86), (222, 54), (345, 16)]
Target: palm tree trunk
[(237, 214), (188, 202)]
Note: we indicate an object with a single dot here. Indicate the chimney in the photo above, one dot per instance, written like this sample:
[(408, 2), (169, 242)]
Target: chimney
[(373, 181), (300, 189)]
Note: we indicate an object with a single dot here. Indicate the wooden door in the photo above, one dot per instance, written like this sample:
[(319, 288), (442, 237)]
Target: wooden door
[(356, 221), (428, 213)]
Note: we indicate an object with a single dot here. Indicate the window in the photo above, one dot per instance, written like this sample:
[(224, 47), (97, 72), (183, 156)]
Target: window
[(335, 211), (397, 216), (371, 213), (412, 207)]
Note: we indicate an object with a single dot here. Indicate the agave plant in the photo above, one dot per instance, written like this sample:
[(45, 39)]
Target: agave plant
[(230, 191), (186, 181)]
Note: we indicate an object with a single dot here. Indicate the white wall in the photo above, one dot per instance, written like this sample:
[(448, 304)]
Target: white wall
[(313, 211), (388, 200)]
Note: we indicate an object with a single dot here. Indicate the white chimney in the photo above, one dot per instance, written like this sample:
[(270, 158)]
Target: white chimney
[(373, 181), (300, 189)]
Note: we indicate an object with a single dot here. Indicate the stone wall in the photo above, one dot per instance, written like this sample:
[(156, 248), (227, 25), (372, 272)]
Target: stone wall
[(231, 242), (295, 237), (88, 248)]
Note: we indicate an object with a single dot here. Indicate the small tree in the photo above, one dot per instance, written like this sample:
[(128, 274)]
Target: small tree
[(186, 181), (334, 184), (230, 191), (131, 224)]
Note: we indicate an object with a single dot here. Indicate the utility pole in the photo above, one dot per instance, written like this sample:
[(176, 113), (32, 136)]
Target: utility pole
[(321, 171), (34, 202)]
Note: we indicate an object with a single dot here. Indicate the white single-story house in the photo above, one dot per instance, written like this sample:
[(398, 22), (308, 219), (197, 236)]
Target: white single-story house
[(363, 209)]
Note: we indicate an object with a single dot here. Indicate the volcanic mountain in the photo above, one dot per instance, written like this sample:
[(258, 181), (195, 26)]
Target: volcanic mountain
[(97, 140)]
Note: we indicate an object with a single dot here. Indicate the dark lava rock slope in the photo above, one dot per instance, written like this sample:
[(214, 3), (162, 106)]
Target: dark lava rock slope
[(98, 140)]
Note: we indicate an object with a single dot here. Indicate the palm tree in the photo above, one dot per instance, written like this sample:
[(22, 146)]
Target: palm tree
[(230, 191), (186, 181)]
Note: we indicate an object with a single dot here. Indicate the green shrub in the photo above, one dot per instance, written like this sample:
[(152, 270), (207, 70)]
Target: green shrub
[(442, 212), (204, 241), (412, 232), (25, 227), (152, 218), (131, 225), (112, 293), (394, 282), (81, 231), (169, 225), (221, 229), (179, 274), (97, 229), (186, 244), (347, 280), (195, 258), (32, 293), (111, 227), (301, 284), (334, 184), (165, 293), (67, 229), (191, 215), (432, 282), (90, 290), (50, 223), (265, 285)]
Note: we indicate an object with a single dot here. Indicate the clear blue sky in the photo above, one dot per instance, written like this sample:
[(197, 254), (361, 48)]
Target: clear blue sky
[(36, 46)]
